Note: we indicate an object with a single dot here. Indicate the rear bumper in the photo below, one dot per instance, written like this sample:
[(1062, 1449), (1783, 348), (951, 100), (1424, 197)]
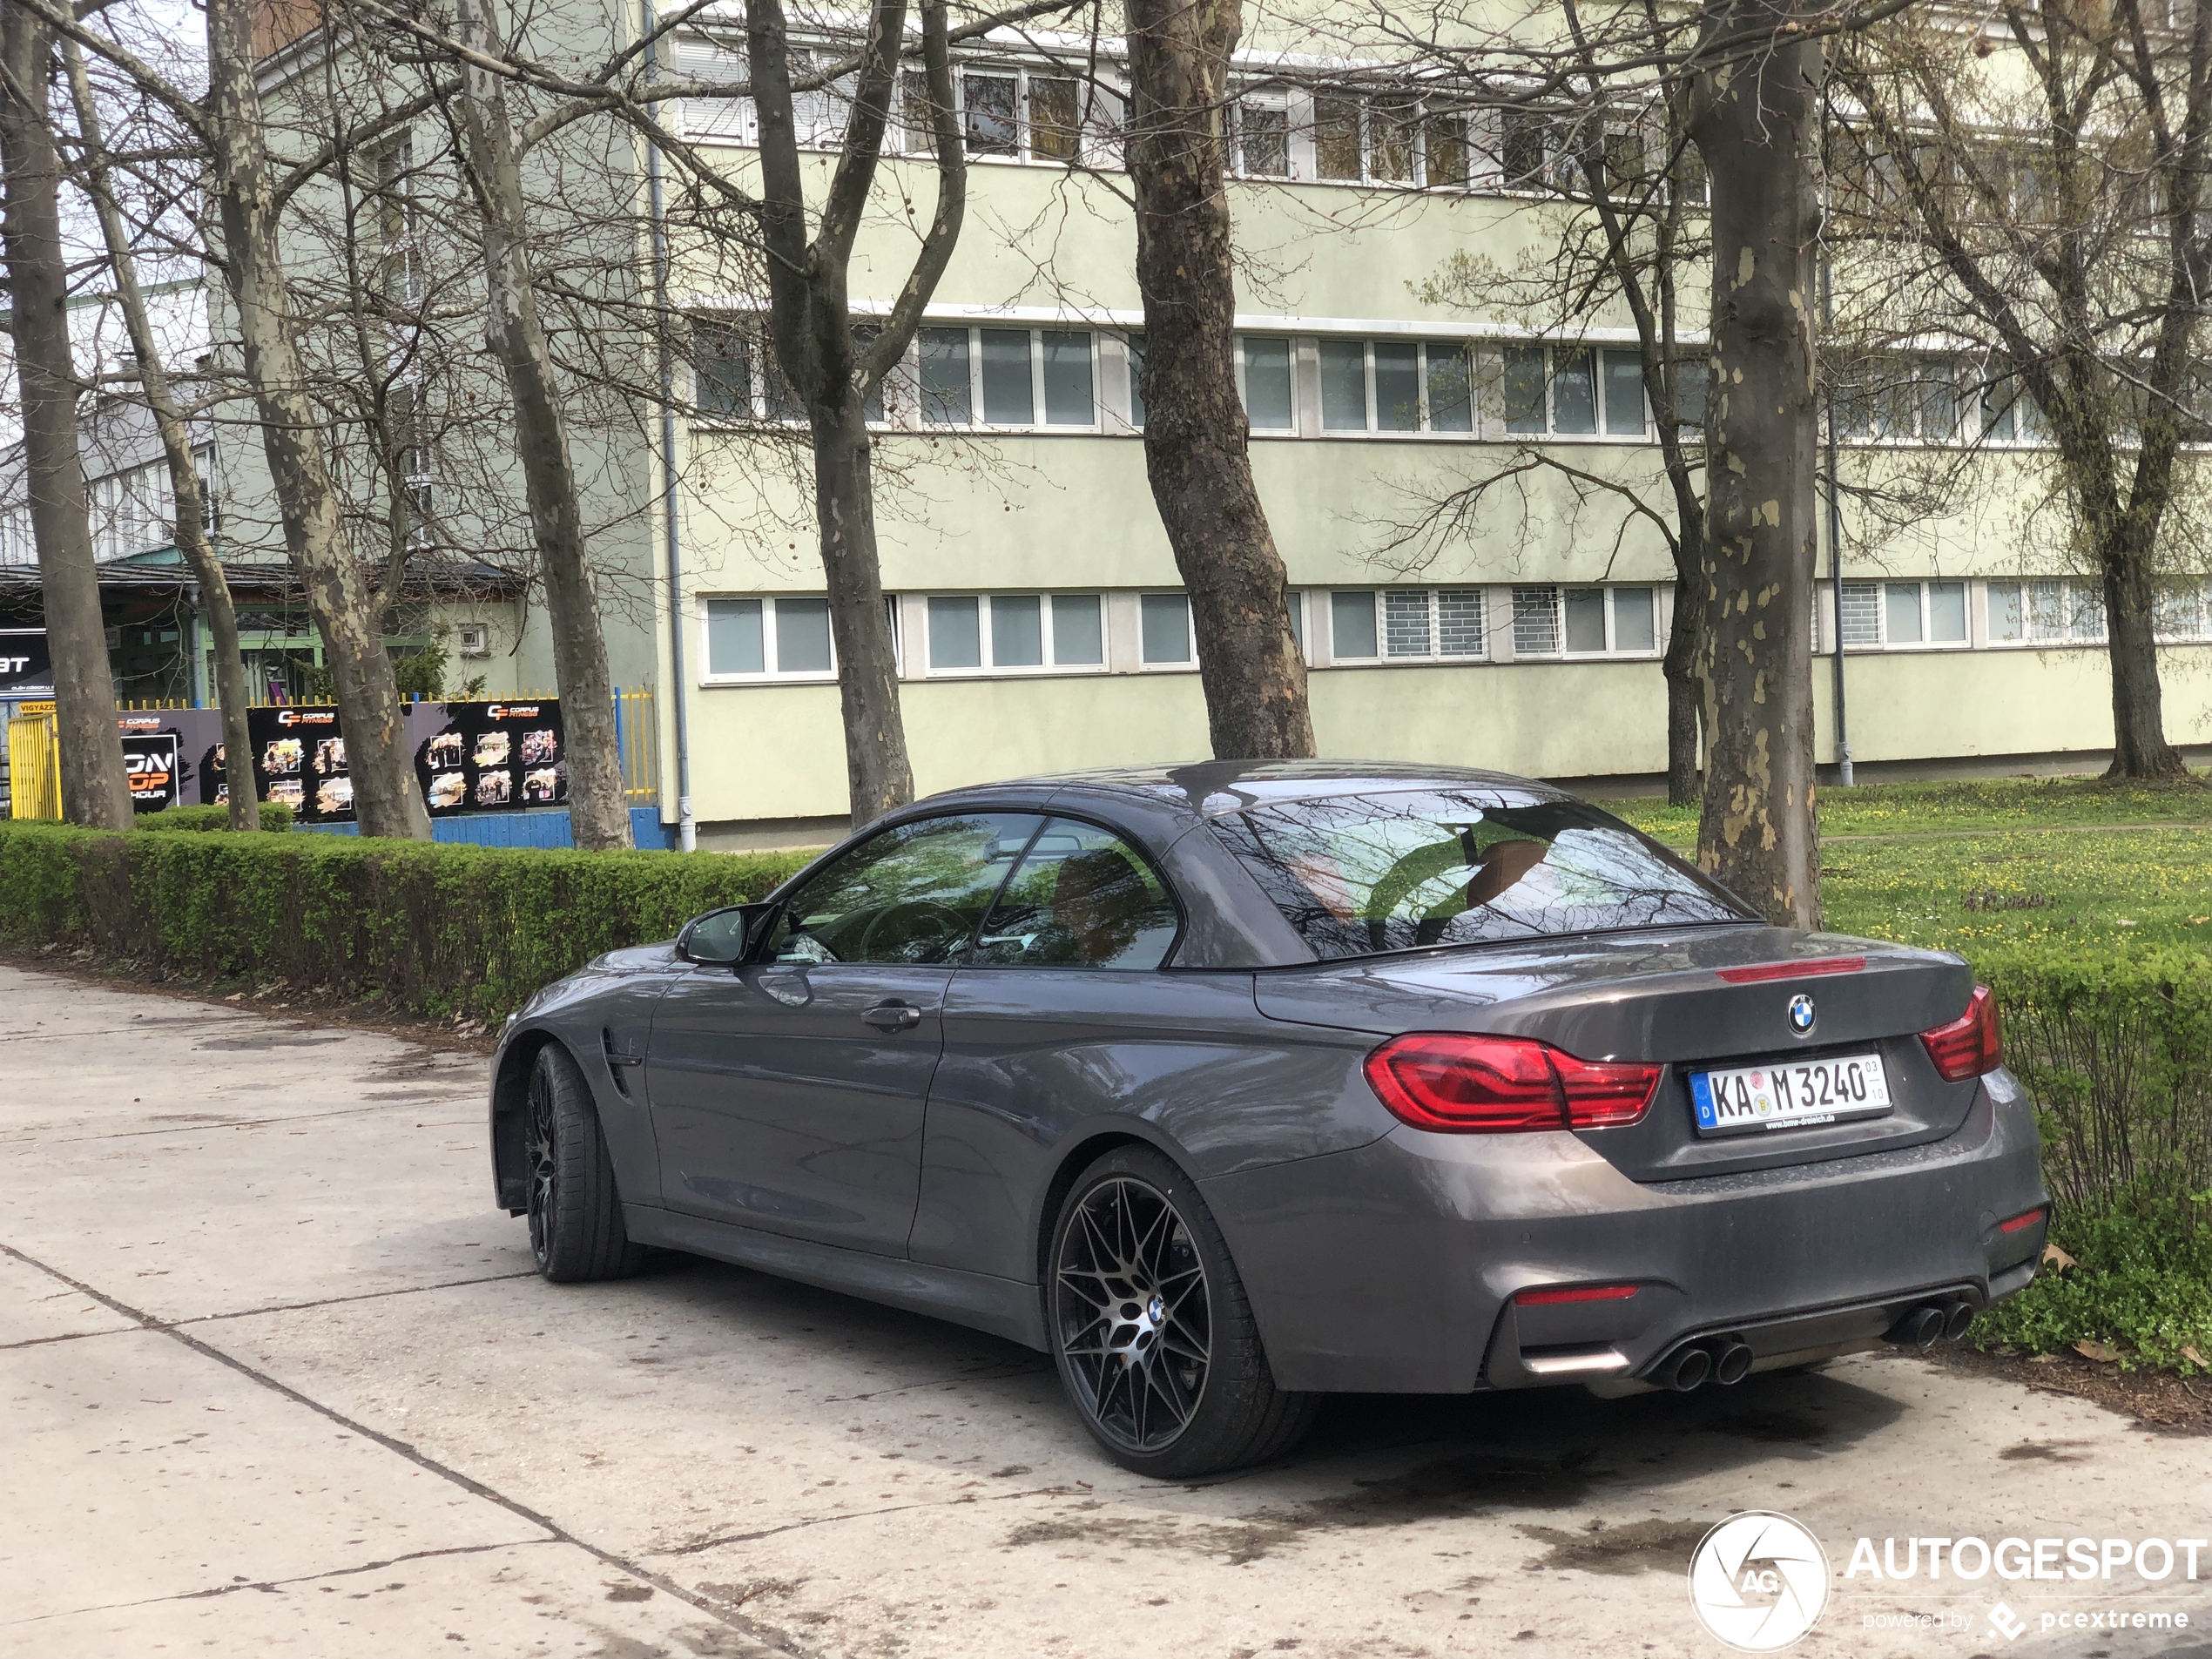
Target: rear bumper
[(1394, 1267)]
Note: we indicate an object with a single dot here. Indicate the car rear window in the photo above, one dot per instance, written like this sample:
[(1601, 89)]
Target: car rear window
[(1358, 875)]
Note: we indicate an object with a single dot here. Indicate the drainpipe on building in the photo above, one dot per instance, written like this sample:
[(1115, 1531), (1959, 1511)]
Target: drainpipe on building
[(686, 827), (1835, 529)]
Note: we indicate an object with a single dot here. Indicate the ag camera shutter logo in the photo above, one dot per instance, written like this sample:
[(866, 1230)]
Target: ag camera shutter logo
[(1758, 1581)]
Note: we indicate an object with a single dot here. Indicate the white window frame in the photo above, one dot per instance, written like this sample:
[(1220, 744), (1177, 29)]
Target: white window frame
[(1965, 409), (1091, 147), (1275, 104), (1434, 657), (1923, 585), (1424, 429), (977, 421), (1613, 647), (987, 644), (1189, 663), (1551, 433), (744, 327), (1305, 146), (2203, 633), (773, 674), (2072, 590)]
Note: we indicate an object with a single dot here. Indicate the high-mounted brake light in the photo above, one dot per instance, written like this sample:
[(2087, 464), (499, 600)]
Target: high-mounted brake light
[(1971, 1044), (1762, 972), (1575, 1293), (1471, 1085)]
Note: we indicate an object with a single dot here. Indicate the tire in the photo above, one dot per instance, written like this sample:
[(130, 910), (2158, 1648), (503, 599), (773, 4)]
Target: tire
[(575, 1212), (1150, 1329)]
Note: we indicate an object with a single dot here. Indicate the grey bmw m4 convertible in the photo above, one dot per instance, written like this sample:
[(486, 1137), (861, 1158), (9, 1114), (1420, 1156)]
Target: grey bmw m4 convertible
[(1230, 1085)]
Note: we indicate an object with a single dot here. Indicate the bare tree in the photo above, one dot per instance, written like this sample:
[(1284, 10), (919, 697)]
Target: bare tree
[(189, 524), (1197, 438), (2039, 191), (1754, 115), (96, 792), (598, 813), (832, 374), (386, 798)]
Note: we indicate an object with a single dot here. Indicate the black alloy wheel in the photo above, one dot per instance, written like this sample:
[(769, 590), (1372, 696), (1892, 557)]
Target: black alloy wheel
[(1155, 1341), (574, 1210)]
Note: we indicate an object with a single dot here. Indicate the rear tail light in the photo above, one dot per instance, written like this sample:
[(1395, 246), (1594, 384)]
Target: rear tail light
[(1971, 1044), (1471, 1085), (2021, 1223), (1575, 1293)]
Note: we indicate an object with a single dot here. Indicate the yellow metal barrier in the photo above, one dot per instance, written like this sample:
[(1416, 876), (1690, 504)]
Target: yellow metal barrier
[(34, 767)]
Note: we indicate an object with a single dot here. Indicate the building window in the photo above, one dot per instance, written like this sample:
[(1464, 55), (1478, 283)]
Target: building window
[(131, 511), (1007, 377), (1164, 633), (1391, 138), (1260, 128), (735, 376), (786, 637), (1396, 386), (2008, 413), (1133, 349), (1406, 625), (1263, 380), (1014, 632), (2051, 611), (1902, 615), (16, 543), (1552, 621), (1015, 113), (390, 176), (1574, 391), (2184, 613), (1899, 400)]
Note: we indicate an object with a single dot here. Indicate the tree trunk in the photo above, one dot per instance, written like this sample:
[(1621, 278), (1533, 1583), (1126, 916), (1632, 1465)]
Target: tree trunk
[(1197, 439), (96, 792), (598, 813), (1685, 694), (385, 799), (1755, 124), (190, 529), (2139, 744), (876, 769)]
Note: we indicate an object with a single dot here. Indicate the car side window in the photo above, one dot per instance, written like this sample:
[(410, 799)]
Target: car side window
[(913, 893), (1081, 898)]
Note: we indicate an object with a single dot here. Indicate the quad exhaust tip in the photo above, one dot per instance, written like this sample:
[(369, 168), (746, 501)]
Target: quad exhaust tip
[(1725, 1360), (1923, 1326)]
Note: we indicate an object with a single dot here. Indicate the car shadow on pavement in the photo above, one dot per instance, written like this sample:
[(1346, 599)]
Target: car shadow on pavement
[(1371, 1460)]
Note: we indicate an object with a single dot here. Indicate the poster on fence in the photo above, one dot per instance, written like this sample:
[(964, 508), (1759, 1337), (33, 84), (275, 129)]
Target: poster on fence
[(495, 756), (151, 749)]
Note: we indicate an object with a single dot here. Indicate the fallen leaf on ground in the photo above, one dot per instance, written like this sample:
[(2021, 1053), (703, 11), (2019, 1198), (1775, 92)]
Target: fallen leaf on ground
[(2100, 1353), (2193, 1356), (2057, 1258)]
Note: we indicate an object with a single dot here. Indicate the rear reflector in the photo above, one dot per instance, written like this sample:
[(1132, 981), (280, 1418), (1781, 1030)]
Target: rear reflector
[(1971, 1044), (2021, 1224), (1470, 1085), (1792, 970), (1579, 1293)]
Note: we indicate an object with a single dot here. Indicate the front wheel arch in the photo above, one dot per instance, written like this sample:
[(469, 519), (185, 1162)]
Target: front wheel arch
[(510, 1090)]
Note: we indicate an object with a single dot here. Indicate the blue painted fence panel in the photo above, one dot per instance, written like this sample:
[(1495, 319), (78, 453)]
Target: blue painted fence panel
[(522, 829)]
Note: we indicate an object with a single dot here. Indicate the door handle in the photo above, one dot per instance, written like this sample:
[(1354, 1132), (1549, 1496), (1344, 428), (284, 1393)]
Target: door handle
[(893, 1016)]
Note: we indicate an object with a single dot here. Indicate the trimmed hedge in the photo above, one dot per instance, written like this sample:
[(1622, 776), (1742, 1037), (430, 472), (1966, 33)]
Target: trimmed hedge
[(275, 815), (2115, 1049), (434, 929)]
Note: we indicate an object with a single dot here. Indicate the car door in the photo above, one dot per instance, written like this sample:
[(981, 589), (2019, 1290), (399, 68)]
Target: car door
[(787, 1093), (1063, 1014)]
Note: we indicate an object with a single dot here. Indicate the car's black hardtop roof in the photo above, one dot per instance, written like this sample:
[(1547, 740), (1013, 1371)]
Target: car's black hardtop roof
[(1200, 789)]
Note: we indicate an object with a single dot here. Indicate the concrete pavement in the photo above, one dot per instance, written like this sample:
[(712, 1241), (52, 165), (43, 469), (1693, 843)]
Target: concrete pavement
[(277, 1379)]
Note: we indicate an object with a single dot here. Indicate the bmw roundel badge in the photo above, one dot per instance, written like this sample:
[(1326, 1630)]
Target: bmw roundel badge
[(1801, 1015)]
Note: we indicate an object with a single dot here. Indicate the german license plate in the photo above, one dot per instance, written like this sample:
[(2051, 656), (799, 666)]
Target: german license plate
[(1799, 1095)]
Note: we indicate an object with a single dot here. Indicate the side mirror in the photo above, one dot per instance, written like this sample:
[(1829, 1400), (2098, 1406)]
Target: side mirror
[(721, 938)]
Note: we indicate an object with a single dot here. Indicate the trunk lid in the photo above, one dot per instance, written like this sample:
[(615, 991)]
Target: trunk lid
[(1696, 999)]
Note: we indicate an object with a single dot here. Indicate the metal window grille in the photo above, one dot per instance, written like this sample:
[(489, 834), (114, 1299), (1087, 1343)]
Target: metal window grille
[(1406, 623), (1458, 622), (1536, 622)]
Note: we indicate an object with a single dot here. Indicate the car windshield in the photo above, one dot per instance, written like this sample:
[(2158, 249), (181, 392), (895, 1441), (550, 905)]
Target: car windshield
[(1361, 875)]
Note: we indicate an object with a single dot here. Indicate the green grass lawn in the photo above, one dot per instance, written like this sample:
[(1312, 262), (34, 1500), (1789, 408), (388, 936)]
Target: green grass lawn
[(2010, 861), (1963, 804)]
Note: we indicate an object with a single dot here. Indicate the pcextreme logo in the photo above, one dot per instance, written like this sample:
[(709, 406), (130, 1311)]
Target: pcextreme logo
[(1758, 1581)]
